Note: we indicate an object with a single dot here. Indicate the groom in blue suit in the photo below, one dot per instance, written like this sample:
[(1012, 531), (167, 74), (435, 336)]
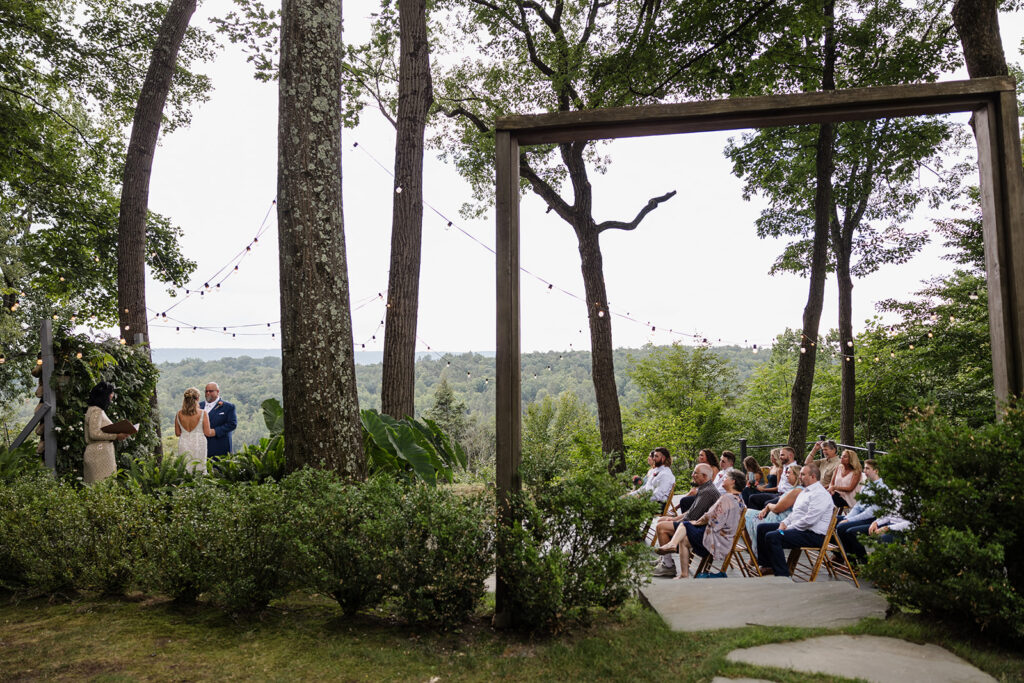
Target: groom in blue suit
[(222, 421)]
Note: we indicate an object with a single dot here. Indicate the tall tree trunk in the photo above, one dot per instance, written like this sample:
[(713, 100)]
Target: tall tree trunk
[(977, 24), (609, 416), (415, 95), (848, 391), (800, 398), (321, 408), (138, 166)]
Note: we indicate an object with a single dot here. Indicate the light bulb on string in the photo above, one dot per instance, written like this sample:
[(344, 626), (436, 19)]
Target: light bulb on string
[(78, 355), (911, 347), (803, 349), (849, 343), (930, 335)]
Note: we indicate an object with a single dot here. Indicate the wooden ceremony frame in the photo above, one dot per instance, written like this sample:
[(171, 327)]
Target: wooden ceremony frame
[(992, 101)]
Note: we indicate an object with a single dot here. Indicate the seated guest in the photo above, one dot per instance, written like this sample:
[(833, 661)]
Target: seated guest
[(660, 480), (705, 456), (845, 482), (861, 515), (714, 532), (639, 481), (775, 512), (755, 478), (757, 501), (726, 462), (706, 496), (805, 526), (776, 471), (826, 464), (889, 527)]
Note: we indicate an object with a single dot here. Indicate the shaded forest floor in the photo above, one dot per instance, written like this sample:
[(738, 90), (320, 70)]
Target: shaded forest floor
[(307, 638)]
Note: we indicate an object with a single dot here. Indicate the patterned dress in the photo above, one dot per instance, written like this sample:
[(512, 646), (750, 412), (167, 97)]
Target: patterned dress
[(99, 461)]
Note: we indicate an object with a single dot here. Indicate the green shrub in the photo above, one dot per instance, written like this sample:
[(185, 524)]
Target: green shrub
[(346, 535), (43, 535), (118, 527), (444, 553), (426, 548), (251, 552), (179, 558), (964, 558), (15, 462), (574, 548)]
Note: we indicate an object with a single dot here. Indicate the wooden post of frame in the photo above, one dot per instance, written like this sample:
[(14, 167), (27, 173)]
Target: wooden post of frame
[(49, 395), (507, 376), (46, 413), (1002, 208)]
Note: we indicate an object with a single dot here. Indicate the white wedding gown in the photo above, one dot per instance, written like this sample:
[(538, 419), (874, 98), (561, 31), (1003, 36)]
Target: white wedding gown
[(193, 444)]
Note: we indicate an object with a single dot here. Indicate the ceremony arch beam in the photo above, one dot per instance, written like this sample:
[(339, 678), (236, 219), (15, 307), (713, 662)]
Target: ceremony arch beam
[(992, 101)]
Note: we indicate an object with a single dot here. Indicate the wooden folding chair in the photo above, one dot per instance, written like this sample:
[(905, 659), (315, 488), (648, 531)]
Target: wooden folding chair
[(664, 511), (740, 542), (816, 556)]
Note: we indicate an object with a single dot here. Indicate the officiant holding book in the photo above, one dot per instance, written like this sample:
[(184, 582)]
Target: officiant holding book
[(99, 458)]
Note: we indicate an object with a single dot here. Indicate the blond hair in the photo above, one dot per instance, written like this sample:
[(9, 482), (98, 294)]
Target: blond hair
[(190, 404), (854, 460)]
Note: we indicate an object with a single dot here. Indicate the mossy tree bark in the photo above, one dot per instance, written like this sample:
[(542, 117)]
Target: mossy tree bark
[(977, 24), (321, 408)]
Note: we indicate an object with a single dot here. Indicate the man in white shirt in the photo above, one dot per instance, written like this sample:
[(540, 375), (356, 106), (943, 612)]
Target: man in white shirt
[(660, 480), (805, 526), (726, 462)]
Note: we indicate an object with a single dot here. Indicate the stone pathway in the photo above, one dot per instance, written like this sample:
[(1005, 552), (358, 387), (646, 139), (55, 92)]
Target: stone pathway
[(704, 604), (689, 605), (873, 658)]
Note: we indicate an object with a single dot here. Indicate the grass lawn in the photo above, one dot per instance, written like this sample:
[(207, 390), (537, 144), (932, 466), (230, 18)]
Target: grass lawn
[(305, 638)]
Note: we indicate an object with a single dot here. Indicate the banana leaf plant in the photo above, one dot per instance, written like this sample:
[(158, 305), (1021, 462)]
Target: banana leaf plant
[(410, 448)]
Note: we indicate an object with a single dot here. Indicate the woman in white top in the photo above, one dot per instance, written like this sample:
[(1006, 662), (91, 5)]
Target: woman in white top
[(192, 426)]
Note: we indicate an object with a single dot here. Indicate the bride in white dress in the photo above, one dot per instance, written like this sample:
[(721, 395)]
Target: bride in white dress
[(192, 426)]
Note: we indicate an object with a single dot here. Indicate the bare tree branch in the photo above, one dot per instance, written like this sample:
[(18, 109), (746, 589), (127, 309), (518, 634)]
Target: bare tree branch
[(531, 47), (651, 206), (544, 190), (457, 112)]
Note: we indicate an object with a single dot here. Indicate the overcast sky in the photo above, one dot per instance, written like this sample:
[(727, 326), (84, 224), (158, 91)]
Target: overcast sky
[(694, 266)]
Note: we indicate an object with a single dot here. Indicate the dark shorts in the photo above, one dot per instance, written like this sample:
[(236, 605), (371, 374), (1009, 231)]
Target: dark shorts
[(695, 534)]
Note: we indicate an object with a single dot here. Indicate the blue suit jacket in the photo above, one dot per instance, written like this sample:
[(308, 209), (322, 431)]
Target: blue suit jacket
[(223, 422)]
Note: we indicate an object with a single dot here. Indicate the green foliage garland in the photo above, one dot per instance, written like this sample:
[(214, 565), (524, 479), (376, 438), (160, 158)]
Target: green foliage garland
[(135, 377)]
